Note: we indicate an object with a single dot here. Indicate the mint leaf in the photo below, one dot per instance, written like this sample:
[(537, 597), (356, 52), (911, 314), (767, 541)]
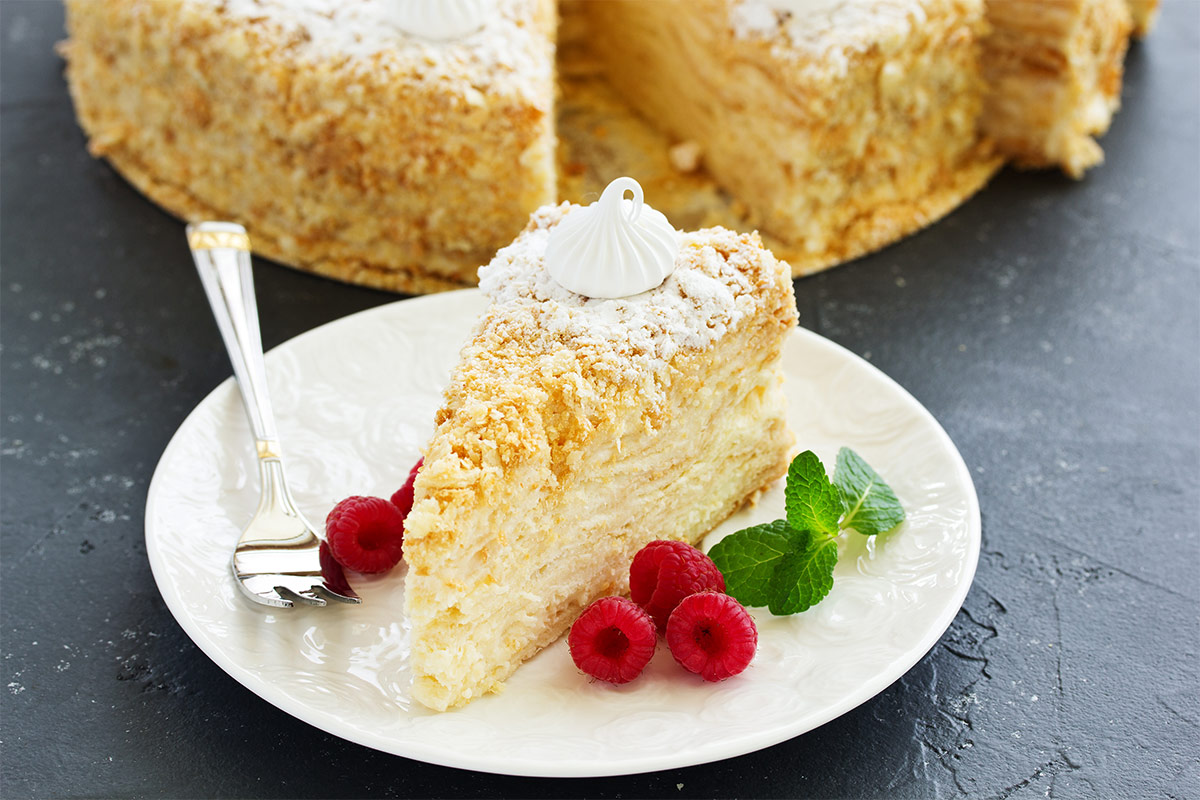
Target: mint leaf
[(776, 566), (871, 505), (802, 578), (749, 557), (812, 502), (787, 565)]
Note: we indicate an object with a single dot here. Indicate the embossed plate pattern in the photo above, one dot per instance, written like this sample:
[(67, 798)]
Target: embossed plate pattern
[(371, 384)]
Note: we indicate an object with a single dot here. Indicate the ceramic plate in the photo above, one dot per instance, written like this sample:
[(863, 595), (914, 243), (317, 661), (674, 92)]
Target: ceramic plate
[(355, 401)]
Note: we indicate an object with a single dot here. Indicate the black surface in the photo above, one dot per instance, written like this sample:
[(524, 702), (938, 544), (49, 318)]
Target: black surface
[(1052, 326)]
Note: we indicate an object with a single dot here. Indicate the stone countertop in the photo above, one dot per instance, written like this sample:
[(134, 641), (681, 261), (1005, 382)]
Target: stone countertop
[(1052, 326)]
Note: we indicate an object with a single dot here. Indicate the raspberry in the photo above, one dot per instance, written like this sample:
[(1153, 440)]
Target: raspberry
[(365, 534), (613, 640), (403, 498), (665, 572), (712, 635)]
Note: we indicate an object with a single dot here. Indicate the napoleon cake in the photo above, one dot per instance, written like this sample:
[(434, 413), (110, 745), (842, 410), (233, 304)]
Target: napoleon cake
[(399, 143), (578, 427)]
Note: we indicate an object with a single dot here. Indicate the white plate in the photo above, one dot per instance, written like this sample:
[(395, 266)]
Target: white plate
[(355, 401)]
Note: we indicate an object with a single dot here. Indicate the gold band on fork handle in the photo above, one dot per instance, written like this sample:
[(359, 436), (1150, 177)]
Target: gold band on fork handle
[(211, 240), (267, 448)]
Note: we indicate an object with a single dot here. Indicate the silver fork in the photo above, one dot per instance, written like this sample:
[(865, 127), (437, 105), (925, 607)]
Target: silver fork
[(279, 560)]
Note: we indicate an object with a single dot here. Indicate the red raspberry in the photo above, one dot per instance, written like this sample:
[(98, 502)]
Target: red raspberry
[(665, 572), (365, 534), (403, 498), (712, 635), (613, 640)]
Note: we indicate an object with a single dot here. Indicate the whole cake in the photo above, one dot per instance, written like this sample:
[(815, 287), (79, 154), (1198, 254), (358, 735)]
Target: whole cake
[(398, 143), (576, 429)]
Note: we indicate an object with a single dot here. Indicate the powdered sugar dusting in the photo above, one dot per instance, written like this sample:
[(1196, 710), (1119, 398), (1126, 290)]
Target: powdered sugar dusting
[(827, 30), (368, 34), (706, 294)]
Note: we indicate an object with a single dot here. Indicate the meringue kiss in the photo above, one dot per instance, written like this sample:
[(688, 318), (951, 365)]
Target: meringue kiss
[(613, 247), (442, 20)]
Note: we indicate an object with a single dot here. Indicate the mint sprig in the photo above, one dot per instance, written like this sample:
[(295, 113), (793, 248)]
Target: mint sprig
[(787, 565)]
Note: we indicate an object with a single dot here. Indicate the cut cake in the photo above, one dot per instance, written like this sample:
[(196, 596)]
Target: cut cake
[(358, 149)]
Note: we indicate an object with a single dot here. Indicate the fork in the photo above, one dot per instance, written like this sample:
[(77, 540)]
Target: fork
[(279, 559)]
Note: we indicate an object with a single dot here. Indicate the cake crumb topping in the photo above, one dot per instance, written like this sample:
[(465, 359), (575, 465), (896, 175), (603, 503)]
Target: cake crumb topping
[(827, 30), (367, 34), (712, 287)]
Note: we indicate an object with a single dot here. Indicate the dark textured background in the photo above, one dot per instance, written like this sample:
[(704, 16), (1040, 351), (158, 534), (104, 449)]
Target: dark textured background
[(1052, 326)]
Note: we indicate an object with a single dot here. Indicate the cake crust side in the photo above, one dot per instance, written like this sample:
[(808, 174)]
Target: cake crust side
[(413, 279), (888, 223)]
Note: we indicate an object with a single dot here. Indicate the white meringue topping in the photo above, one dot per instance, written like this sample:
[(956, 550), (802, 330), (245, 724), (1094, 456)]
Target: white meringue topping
[(614, 247), (441, 20)]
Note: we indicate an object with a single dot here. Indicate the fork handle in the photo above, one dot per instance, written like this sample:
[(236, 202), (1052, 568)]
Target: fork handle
[(221, 251)]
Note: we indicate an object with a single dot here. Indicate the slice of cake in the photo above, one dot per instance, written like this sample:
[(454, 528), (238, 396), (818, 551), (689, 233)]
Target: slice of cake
[(841, 125), (577, 429), (1054, 71), (345, 135)]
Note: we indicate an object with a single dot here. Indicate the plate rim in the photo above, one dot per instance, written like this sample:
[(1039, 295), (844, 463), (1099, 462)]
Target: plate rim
[(419, 751)]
